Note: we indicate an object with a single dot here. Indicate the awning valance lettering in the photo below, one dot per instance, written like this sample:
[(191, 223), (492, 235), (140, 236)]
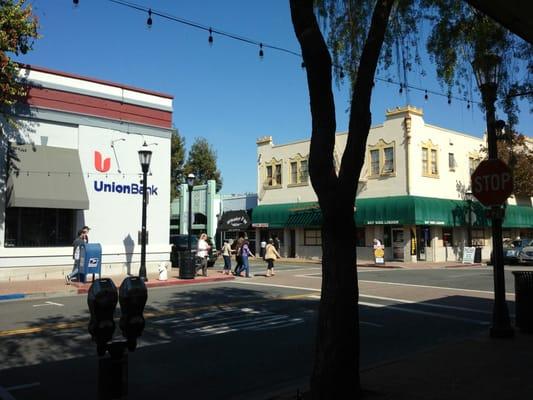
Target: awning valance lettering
[(237, 220)]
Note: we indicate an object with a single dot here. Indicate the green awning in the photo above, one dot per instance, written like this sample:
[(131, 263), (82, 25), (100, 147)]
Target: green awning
[(45, 177), (518, 217), (277, 215)]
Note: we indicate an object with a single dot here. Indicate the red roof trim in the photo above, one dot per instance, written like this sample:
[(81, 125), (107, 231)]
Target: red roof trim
[(101, 81)]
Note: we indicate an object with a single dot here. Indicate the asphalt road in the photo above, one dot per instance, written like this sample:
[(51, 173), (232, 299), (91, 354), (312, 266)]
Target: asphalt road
[(242, 338)]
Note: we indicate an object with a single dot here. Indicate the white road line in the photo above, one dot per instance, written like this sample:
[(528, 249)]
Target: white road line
[(48, 303), (431, 314), (433, 287), (314, 276), (274, 285)]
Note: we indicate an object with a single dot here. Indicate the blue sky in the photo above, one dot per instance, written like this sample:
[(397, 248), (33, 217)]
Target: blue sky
[(224, 93)]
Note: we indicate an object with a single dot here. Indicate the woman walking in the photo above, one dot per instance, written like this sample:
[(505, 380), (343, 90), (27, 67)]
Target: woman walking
[(245, 253), (270, 255), (226, 254)]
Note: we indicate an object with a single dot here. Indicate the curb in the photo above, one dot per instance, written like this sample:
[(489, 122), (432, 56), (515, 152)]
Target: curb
[(83, 288), (12, 296)]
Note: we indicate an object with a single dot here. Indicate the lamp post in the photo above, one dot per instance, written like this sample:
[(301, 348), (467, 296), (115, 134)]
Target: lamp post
[(145, 156), (468, 197), (487, 71), (190, 185)]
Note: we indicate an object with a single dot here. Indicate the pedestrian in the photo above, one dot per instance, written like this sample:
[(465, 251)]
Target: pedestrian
[(202, 252), (277, 243), (262, 251), (245, 254), (270, 255), (237, 249), (377, 243), (80, 239), (86, 230), (226, 254)]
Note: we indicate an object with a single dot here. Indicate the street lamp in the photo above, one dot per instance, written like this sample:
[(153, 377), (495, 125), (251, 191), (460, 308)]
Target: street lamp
[(487, 71), (187, 271), (145, 156), (468, 198)]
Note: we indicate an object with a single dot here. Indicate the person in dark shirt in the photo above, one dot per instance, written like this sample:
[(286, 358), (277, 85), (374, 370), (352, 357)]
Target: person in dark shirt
[(81, 239)]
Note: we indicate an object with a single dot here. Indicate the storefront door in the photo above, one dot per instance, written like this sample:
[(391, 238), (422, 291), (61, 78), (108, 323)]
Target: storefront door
[(422, 235), (397, 244)]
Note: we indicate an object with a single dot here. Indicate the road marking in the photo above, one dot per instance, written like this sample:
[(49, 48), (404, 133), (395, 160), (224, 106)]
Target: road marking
[(426, 313), (275, 285), (25, 386), (48, 303), (433, 287)]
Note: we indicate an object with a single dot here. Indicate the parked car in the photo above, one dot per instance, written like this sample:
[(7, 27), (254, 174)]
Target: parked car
[(180, 243), (526, 255), (513, 251)]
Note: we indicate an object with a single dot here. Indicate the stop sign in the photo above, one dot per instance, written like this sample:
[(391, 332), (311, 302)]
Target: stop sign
[(492, 182)]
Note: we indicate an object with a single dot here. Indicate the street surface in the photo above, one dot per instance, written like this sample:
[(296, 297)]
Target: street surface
[(239, 339)]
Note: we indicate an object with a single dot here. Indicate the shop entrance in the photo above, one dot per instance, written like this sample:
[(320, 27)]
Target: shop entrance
[(397, 244), (292, 246), (423, 241)]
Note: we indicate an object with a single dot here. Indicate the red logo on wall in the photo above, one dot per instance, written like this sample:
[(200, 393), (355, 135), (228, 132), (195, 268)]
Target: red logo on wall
[(101, 165)]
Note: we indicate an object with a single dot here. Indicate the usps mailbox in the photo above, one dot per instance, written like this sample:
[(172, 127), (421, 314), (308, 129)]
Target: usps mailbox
[(90, 260)]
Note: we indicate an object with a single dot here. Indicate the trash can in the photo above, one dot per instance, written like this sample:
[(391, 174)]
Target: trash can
[(186, 265), (90, 260), (523, 283), (477, 255)]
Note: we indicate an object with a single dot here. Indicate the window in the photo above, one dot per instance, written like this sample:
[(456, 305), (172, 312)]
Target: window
[(473, 162), (447, 237), (381, 158), (298, 170), (39, 227), (451, 162), (312, 237), (272, 174), (430, 160), (478, 237)]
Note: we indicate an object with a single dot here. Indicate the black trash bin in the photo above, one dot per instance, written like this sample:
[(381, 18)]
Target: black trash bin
[(477, 255), (523, 283), (187, 265)]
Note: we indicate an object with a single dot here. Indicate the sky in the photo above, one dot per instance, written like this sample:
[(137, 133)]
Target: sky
[(224, 92)]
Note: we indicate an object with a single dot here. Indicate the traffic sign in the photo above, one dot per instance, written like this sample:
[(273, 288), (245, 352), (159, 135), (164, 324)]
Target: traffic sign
[(492, 182)]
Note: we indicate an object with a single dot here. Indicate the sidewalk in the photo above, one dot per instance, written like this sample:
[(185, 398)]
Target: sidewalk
[(58, 287)]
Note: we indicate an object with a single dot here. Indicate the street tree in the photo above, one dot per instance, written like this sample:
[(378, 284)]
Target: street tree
[(335, 372), (517, 152), (202, 162), (177, 161), (18, 30)]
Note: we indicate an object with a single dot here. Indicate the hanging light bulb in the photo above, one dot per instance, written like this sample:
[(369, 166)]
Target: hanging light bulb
[(341, 73), (426, 95), (75, 3), (303, 65), (149, 20), (468, 105), (449, 99), (401, 88), (261, 53), (210, 40)]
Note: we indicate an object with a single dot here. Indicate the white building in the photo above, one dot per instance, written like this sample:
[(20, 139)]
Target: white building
[(74, 162), (411, 193)]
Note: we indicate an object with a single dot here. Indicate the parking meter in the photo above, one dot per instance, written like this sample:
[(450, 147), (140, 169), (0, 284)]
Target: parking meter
[(132, 298), (102, 301)]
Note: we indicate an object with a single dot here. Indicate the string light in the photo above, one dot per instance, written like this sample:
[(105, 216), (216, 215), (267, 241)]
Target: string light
[(75, 3), (210, 40), (149, 20), (263, 46), (468, 105)]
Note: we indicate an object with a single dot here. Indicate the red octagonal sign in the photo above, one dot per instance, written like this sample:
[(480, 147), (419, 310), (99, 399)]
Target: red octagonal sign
[(492, 182)]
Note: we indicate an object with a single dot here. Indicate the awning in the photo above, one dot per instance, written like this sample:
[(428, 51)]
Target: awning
[(393, 210), (45, 177), (518, 217), (276, 215), (237, 220)]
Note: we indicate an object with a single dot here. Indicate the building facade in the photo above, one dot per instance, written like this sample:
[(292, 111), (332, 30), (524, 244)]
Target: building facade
[(412, 193), (72, 160)]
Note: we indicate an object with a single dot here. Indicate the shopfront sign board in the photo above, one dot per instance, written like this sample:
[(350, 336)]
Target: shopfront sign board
[(468, 255)]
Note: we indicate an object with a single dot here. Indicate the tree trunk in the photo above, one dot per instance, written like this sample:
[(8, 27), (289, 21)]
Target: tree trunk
[(336, 370)]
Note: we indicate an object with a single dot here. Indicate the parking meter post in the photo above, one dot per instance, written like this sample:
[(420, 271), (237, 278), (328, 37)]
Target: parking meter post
[(132, 298), (102, 300), (113, 373)]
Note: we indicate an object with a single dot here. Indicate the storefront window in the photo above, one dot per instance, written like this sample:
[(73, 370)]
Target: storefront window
[(478, 237), (312, 237), (447, 237), (39, 227)]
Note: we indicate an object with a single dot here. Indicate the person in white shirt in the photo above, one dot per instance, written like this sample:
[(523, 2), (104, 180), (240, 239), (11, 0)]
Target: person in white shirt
[(226, 254), (202, 252)]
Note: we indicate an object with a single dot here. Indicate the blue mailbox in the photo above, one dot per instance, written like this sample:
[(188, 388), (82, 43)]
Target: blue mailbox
[(90, 260)]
